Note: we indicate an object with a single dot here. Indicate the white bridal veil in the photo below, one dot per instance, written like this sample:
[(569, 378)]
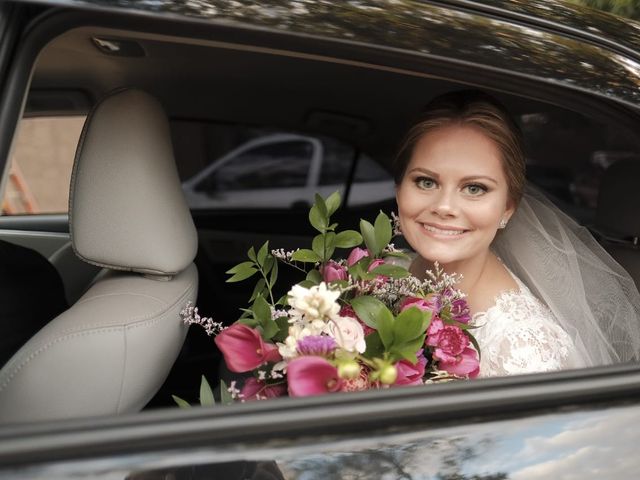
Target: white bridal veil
[(592, 296)]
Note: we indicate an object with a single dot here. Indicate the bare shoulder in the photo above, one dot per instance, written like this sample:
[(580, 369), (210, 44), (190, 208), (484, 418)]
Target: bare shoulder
[(495, 280)]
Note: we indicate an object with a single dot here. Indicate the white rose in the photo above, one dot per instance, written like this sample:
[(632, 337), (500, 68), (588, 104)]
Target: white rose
[(348, 334)]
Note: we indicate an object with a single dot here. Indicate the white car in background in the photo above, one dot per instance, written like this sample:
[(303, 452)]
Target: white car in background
[(285, 170)]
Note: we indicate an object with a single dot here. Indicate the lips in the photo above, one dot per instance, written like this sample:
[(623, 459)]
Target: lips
[(442, 230)]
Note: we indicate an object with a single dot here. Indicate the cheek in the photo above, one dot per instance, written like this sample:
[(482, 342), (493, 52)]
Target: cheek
[(486, 214)]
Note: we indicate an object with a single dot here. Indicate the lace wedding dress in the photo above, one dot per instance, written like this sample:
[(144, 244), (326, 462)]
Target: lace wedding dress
[(519, 334)]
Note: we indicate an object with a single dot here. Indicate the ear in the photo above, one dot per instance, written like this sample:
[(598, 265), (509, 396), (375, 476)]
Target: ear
[(510, 210)]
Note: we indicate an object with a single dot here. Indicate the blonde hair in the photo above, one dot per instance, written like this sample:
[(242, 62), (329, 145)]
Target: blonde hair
[(477, 109)]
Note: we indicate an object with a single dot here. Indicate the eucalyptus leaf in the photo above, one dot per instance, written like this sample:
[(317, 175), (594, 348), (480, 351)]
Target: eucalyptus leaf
[(206, 394), (383, 230), (333, 203), (225, 396), (348, 239), (305, 255), (330, 245), (181, 403), (318, 246), (321, 205), (317, 220), (369, 236)]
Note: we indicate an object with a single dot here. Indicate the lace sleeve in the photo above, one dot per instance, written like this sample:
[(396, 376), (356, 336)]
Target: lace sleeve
[(520, 335)]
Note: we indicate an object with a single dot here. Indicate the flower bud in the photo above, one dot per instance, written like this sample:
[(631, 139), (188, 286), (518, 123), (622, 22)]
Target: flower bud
[(348, 369), (388, 374)]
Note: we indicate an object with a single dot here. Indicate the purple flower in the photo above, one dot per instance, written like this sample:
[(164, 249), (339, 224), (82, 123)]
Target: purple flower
[(460, 311), (318, 345)]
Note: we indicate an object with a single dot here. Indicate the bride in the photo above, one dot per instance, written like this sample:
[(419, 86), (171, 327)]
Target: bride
[(543, 294)]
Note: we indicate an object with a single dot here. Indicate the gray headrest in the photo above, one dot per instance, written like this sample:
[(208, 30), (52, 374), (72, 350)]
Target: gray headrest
[(126, 207), (618, 200)]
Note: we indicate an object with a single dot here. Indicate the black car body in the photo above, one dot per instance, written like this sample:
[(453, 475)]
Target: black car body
[(358, 71)]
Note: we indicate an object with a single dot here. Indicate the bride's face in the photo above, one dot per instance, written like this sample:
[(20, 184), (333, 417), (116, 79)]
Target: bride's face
[(453, 195)]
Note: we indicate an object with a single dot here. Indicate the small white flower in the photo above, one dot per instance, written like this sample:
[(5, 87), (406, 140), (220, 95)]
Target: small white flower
[(348, 334)]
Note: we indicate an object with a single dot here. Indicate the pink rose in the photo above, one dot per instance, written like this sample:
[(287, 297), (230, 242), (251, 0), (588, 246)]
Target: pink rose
[(356, 255), (464, 365), (243, 348), (333, 271), (254, 389), (410, 374), (312, 376), (450, 342)]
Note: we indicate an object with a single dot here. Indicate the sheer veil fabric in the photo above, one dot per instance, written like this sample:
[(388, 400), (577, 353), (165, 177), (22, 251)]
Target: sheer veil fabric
[(592, 297)]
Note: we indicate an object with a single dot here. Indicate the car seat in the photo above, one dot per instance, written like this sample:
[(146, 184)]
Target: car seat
[(617, 219), (112, 350)]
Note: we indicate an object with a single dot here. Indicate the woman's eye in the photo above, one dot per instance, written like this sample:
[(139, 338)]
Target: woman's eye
[(425, 183), (475, 189)]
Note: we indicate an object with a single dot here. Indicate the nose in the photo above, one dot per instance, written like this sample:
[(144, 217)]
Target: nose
[(445, 203)]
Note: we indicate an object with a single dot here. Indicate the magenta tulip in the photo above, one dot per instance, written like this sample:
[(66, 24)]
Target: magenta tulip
[(356, 255), (410, 374), (243, 348), (312, 376), (255, 389), (333, 271)]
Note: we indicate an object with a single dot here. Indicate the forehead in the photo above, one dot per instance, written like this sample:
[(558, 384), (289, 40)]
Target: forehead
[(458, 149)]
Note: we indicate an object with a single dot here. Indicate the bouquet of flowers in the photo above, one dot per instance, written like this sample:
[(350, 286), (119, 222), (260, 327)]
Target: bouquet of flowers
[(352, 324)]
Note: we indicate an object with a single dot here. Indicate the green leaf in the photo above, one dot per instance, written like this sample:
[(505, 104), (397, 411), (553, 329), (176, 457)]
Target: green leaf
[(258, 289), (269, 329), (261, 309), (318, 246), (383, 230), (274, 274), (262, 253), (369, 236), (474, 342), (375, 348), (410, 324), (268, 264), (181, 403), (305, 255), (376, 315), (206, 394), (225, 396), (400, 255), (321, 205), (238, 277), (333, 203), (330, 245), (241, 267), (307, 283), (393, 271), (251, 253), (249, 321), (283, 329), (318, 219), (348, 239), (315, 276), (408, 350), (359, 270)]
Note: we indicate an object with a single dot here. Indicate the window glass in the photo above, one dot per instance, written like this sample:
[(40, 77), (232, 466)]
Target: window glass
[(281, 164), (41, 163)]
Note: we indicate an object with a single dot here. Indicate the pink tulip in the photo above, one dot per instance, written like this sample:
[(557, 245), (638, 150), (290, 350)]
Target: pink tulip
[(356, 255), (254, 389), (376, 263), (464, 365), (243, 348), (425, 304), (333, 271), (312, 376), (410, 374)]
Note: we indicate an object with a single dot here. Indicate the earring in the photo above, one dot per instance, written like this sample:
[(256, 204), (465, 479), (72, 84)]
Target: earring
[(503, 223), (395, 220)]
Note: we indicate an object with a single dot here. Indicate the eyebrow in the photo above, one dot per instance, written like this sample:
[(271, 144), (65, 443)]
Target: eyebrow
[(463, 179)]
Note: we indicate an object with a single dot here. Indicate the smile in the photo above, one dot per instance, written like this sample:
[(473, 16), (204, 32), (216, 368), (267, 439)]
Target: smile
[(442, 231)]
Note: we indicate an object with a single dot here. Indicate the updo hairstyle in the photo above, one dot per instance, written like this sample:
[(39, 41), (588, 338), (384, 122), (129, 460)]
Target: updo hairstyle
[(477, 109)]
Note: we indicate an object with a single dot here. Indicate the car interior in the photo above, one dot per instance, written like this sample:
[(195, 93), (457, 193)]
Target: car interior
[(162, 105)]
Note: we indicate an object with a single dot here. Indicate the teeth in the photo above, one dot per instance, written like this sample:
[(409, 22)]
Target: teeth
[(442, 232)]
